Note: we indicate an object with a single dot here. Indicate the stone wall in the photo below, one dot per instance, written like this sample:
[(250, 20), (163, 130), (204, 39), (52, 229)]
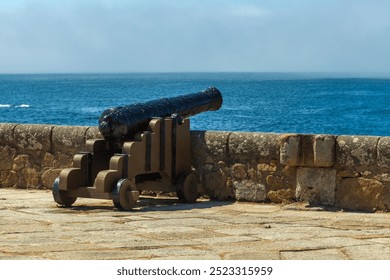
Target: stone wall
[(348, 172)]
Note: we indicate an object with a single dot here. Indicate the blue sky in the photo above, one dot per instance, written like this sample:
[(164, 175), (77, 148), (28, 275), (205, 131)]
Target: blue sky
[(202, 35)]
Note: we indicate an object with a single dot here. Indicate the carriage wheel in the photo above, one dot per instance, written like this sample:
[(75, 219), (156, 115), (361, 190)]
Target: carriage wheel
[(125, 195), (187, 188), (60, 196)]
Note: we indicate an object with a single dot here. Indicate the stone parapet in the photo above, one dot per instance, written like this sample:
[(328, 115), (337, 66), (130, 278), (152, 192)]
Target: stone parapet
[(349, 172)]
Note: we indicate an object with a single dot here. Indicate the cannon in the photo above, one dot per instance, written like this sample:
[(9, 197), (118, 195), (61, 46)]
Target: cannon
[(122, 123), (145, 146)]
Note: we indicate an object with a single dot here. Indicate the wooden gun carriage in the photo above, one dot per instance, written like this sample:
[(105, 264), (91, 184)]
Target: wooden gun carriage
[(139, 152)]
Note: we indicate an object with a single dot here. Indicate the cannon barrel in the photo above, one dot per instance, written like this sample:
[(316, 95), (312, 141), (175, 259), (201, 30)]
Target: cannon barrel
[(122, 123)]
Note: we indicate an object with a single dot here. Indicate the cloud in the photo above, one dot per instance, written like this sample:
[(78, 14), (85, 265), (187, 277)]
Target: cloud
[(246, 10)]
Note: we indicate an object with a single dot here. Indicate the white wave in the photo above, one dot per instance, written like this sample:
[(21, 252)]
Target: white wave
[(5, 105), (92, 109), (22, 106)]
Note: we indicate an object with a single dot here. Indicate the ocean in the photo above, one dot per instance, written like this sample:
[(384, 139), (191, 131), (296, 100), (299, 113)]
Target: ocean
[(257, 102)]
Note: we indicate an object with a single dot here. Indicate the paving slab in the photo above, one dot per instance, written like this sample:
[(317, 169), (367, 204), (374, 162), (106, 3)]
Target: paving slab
[(32, 227)]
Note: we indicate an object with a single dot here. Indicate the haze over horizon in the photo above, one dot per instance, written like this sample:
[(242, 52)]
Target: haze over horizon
[(42, 36)]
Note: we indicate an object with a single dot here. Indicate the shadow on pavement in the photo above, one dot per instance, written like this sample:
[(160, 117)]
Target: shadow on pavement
[(150, 204)]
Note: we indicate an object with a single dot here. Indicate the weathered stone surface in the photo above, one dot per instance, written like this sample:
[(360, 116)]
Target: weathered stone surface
[(8, 178), (218, 184), (289, 150), (93, 133), (357, 151), (209, 146), (307, 150), (239, 171), (7, 133), (20, 163), (69, 140), (48, 177), (33, 227), (247, 190), (281, 196), (26, 175), (383, 177), (254, 174), (275, 182), (360, 194), (243, 165), (281, 179), (316, 254), (29, 178), (209, 157), (265, 167), (316, 185), (324, 150), (290, 171), (48, 160), (251, 148), (384, 152), (33, 137), (7, 155), (63, 160)]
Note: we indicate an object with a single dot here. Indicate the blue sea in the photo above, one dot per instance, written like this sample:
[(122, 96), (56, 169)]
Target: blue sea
[(262, 102)]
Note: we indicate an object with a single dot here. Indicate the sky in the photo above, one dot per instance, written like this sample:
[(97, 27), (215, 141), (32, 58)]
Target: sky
[(62, 36)]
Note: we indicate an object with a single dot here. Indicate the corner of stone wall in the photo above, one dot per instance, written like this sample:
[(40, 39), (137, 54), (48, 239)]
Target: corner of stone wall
[(210, 159), (7, 154), (363, 176), (313, 156)]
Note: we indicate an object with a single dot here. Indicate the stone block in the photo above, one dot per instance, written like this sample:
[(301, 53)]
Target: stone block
[(356, 151), (209, 146), (248, 190), (316, 185), (7, 155), (383, 177), (252, 148), (48, 160), (31, 178), (275, 182), (209, 157), (33, 137), (384, 152), (218, 185), (307, 150), (20, 163), (281, 196), (254, 174), (360, 194), (93, 133), (8, 178), (7, 134), (69, 140), (324, 150), (290, 150), (290, 171), (63, 160), (265, 167), (286, 179), (239, 171), (48, 177)]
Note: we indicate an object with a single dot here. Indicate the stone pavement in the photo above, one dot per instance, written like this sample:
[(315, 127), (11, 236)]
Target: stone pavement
[(33, 227)]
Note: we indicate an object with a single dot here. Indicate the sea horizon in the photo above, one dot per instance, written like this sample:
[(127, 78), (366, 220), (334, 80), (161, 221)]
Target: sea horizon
[(282, 102), (333, 74)]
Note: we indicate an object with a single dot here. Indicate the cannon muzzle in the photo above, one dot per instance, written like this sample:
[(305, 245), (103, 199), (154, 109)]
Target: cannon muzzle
[(122, 123)]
